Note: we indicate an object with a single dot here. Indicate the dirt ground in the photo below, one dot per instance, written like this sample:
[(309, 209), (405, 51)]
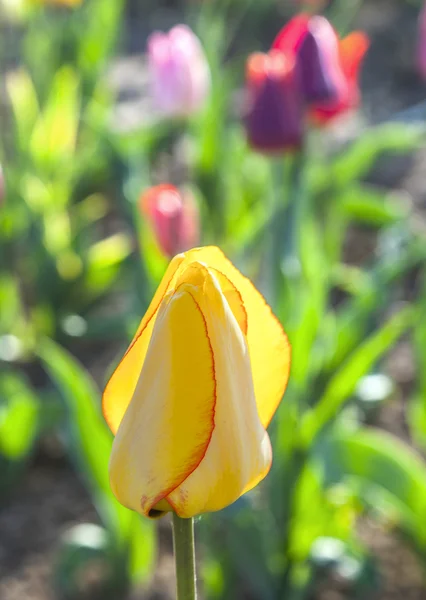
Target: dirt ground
[(50, 498)]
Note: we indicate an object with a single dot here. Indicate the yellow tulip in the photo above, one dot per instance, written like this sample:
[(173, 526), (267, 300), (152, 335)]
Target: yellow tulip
[(190, 401)]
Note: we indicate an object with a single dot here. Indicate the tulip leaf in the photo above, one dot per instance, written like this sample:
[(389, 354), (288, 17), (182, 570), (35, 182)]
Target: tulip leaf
[(360, 362), (352, 320), (362, 154), (244, 549), (315, 516), (91, 442), (417, 407), (19, 416), (104, 259), (389, 476), (24, 103), (373, 207), (103, 18), (311, 301), (54, 137), (10, 303)]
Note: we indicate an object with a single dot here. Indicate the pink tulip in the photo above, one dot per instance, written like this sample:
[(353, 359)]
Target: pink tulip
[(179, 72), (173, 217)]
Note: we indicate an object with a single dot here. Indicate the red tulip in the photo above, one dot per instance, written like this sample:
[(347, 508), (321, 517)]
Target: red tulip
[(173, 217), (274, 118), (329, 67)]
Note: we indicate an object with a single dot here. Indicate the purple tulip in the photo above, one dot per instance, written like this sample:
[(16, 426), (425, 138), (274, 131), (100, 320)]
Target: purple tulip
[(179, 72), (275, 114), (318, 61)]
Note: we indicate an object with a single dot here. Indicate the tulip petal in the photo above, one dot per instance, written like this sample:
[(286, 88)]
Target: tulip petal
[(291, 35), (234, 299), (168, 425), (274, 116), (268, 344), (352, 51), (122, 384), (239, 453)]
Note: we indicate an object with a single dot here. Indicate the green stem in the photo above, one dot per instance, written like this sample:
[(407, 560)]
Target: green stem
[(184, 550), (289, 205), (295, 469)]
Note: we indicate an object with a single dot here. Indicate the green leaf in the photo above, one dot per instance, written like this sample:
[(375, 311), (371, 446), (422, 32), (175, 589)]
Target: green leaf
[(315, 515), (91, 443), (54, 137), (371, 206), (310, 301), (241, 543), (360, 362), (11, 309), (417, 406), (353, 320), (104, 260), (356, 162), (390, 476), (19, 417), (25, 106), (101, 25)]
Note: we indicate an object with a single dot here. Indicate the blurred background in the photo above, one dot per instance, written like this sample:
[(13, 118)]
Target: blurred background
[(115, 155)]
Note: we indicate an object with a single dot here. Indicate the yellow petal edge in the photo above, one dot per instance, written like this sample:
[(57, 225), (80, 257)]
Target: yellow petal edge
[(268, 344)]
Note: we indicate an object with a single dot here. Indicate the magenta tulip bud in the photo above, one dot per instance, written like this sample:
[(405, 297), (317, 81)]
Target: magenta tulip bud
[(318, 61), (179, 72), (274, 119)]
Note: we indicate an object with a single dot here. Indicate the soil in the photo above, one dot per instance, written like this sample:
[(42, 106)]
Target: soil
[(50, 498)]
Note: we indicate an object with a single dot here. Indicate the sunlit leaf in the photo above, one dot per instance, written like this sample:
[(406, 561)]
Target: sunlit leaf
[(54, 137), (19, 414), (390, 477), (90, 442), (359, 363)]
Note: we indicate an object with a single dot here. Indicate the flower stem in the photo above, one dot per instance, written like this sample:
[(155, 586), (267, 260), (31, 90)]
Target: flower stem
[(184, 549)]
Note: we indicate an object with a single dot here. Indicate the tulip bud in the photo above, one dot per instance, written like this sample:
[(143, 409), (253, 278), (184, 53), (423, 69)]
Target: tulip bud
[(328, 67), (318, 62), (179, 72), (352, 50), (422, 43), (173, 216), (190, 401), (274, 118)]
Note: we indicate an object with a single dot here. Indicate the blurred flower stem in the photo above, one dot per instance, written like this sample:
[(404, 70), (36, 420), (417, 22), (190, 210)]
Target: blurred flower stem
[(295, 469), (184, 551), (288, 207)]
